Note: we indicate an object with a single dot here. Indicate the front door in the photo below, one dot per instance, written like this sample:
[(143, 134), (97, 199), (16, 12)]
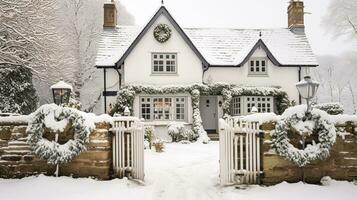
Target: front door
[(208, 109)]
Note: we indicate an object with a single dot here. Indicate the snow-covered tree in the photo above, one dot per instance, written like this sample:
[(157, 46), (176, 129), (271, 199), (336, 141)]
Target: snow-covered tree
[(29, 38), (342, 18), (337, 77), (82, 22), (17, 93)]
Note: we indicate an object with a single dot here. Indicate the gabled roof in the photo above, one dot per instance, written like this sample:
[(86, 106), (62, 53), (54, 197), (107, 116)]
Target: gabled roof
[(165, 12), (215, 47)]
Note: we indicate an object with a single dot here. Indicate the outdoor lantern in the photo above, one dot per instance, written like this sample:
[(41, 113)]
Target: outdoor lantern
[(307, 89), (61, 92), (126, 111)]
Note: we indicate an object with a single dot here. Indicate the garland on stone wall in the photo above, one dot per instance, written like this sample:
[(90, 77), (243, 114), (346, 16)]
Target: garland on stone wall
[(295, 119), (127, 94), (56, 119)]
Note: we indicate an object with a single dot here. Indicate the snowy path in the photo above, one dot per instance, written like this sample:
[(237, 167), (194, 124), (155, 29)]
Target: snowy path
[(185, 172)]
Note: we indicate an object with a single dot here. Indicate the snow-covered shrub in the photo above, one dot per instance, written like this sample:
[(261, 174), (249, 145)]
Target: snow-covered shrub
[(174, 130), (326, 181), (125, 98), (331, 108), (179, 132), (149, 134), (73, 102), (17, 93), (159, 145)]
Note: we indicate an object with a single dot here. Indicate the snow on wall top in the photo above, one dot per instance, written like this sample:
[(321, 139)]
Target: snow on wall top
[(218, 46)]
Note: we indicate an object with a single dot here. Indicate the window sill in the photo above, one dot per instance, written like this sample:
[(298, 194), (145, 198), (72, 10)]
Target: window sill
[(163, 74), (163, 123), (258, 75)]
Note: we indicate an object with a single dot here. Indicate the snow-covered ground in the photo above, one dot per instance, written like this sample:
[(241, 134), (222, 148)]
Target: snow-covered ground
[(181, 172)]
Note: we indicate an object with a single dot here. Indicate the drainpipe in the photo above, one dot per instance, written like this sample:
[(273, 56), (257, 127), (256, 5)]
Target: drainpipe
[(105, 91), (300, 100), (119, 74), (205, 68)]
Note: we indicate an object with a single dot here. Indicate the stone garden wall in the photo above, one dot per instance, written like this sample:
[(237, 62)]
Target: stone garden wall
[(341, 165), (17, 160)]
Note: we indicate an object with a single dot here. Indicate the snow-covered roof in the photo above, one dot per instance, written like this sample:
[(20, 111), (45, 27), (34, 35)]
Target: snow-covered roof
[(114, 43), (61, 85), (220, 47), (214, 46)]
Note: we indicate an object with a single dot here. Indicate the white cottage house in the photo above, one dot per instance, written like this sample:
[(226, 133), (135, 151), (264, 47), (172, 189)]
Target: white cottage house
[(163, 54)]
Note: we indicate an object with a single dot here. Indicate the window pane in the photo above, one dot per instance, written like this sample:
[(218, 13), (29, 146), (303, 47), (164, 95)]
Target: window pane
[(257, 63), (263, 63), (252, 63)]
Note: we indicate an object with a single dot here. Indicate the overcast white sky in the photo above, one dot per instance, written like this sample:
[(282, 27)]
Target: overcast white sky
[(242, 14)]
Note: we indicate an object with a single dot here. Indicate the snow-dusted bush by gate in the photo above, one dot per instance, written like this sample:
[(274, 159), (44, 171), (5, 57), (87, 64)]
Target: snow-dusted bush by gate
[(331, 108), (179, 132)]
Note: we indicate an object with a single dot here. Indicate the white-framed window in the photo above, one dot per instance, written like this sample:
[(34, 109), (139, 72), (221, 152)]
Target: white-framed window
[(236, 106), (164, 63), (258, 66), (163, 108), (242, 105)]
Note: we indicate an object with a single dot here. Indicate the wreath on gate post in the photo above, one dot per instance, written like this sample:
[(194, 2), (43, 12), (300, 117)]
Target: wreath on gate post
[(56, 119), (315, 122), (162, 33)]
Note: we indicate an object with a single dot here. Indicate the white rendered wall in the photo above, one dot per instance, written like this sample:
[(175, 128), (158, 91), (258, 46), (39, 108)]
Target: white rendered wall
[(137, 67), (112, 83), (285, 77)]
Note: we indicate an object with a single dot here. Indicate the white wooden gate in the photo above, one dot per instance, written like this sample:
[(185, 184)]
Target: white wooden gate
[(239, 144), (128, 147)]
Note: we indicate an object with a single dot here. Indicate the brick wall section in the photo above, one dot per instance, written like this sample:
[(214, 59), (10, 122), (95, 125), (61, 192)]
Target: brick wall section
[(17, 160), (341, 165)]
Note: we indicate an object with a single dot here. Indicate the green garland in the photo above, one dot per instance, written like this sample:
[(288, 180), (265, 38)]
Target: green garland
[(162, 33), (127, 95)]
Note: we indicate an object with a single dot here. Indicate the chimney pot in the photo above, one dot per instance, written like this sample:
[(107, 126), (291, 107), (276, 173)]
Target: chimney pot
[(110, 14), (296, 16)]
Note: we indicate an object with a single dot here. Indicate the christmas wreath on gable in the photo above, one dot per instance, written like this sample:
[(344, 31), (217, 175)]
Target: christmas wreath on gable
[(56, 119), (162, 33), (306, 124)]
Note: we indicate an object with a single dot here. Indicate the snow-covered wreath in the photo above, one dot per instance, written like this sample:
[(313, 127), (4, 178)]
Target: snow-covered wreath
[(317, 122), (56, 119), (162, 33)]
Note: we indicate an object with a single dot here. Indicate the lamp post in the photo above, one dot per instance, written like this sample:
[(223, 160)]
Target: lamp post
[(307, 89), (61, 92)]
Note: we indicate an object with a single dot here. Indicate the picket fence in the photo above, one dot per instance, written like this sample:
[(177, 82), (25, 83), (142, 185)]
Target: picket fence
[(240, 151), (128, 147)]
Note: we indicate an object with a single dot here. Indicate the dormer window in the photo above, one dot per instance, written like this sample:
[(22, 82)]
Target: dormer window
[(164, 63), (258, 66)]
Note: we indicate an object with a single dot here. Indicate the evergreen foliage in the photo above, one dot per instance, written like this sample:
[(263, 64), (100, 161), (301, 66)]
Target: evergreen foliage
[(17, 92), (317, 123)]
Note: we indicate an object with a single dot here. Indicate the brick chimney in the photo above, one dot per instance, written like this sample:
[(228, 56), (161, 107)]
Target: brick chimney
[(110, 14), (296, 16)]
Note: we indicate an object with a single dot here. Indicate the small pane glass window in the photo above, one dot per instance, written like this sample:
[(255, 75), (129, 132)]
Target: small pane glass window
[(164, 63), (258, 66)]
